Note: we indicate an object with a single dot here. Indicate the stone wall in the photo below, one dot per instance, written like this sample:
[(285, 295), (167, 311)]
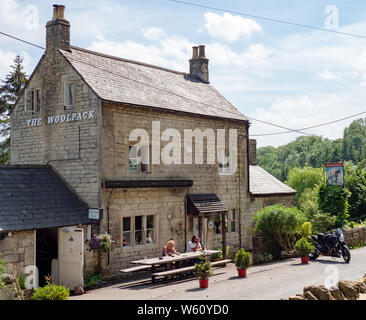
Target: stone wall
[(71, 147), (118, 122), (355, 236), (18, 250)]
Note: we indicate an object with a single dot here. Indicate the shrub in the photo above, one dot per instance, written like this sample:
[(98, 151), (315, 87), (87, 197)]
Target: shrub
[(280, 224), (243, 259), (306, 229), (308, 202), (303, 247), (2, 271), (203, 269), (93, 281), (51, 291), (322, 222), (334, 200), (219, 255)]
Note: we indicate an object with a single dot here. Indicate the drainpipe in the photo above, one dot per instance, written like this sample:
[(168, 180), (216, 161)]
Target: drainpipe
[(108, 228)]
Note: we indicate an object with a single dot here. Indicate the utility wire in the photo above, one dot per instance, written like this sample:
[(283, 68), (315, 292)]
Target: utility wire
[(269, 19), (30, 43), (312, 127)]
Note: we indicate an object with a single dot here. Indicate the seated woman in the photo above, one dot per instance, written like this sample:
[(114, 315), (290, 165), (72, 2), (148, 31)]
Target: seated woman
[(169, 249)]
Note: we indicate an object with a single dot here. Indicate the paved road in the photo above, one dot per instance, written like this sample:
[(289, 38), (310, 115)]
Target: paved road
[(265, 282)]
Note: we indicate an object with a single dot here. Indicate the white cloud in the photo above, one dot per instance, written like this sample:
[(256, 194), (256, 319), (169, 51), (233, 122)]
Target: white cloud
[(328, 76), (153, 33), (229, 27)]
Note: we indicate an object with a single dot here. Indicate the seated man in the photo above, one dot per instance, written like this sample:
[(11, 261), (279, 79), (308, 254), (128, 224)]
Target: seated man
[(194, 245)]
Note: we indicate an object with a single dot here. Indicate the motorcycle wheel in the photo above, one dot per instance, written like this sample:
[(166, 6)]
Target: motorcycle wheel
[(313, 256), (346, 254)]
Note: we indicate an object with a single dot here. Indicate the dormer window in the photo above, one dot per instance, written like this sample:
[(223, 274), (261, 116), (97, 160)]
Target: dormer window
[(69, 97), (33, 100)]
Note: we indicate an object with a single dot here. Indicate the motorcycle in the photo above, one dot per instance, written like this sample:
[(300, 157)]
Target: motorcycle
[(330, 244)]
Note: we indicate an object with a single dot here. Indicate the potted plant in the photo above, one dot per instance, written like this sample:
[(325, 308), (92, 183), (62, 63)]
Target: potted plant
[(303, 248), (203, 271), (243, 260)]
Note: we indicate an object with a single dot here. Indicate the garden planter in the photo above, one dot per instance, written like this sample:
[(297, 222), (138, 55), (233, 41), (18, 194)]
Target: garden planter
[(203, 283), (304, 259), (242, 273)]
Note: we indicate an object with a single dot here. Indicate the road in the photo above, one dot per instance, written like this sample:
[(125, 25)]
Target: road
[(271, 281)]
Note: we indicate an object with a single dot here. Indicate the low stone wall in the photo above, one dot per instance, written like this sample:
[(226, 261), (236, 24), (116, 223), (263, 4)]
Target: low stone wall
[(18, 250), (355, 236)]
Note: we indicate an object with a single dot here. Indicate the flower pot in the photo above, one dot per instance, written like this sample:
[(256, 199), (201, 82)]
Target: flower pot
[(242, 273), (304, 259), (203, 283)]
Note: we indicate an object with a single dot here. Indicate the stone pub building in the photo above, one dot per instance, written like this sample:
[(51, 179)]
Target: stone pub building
[(71, 152)]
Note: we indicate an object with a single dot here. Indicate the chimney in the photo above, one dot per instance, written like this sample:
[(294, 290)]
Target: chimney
[(252, 152), (58, 30), (198, 65)]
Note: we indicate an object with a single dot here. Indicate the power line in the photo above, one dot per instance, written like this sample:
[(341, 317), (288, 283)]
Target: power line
[(269, 19), (30, 43), (312, 127)]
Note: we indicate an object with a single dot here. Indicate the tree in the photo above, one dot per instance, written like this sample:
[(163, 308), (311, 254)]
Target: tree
[(10, 91)]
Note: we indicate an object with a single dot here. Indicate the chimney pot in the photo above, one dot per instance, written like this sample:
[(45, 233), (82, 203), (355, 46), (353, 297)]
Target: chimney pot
[(58, 12), (195, 53), (202, 51)]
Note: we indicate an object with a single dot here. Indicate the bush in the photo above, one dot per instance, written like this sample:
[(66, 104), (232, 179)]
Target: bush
[(203, 269), (308, 202), (280, 224), (243, 259), (301, 179), (303, 247), (93, 281), (334, 200), (322, 222), (219, 255), (51, 291), (2, 271)]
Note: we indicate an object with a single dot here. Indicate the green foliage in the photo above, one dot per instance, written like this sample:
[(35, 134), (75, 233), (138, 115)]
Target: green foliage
[(2, 271), (323, 222), (306, 230), (243, 259), (21, 281), (354, 141), (308, 202), (334, 200), (10, 91), (203, 269), (51, 291), (305, 178), (303, 247), (93, 281), (280, 224), (219, 255), (355, 182)]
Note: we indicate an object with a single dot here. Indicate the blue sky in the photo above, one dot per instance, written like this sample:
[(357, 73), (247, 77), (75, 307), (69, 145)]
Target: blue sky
[(279, 73)]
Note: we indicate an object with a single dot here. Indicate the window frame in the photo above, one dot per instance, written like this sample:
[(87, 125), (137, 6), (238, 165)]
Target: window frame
[(232, 221), (140, 166), (66, 97), (31, 94), (144, 230)]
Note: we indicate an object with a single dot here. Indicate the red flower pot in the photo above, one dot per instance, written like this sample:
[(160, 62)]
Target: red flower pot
[(242, 273), (203, 283), (304, 259)]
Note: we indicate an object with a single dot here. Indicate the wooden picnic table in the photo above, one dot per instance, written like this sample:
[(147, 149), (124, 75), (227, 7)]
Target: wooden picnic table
[(165, 260)]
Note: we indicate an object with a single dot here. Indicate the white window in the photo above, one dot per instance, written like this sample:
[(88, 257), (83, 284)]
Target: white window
[(225, 162), (33, 100), (232, 221), (69, 96), (138, 230), (139, 166)]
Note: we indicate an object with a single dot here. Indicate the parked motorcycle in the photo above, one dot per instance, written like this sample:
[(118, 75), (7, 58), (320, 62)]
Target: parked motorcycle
[(330, 244)]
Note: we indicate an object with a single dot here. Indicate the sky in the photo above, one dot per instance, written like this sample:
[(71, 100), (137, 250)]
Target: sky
[(282, 74)]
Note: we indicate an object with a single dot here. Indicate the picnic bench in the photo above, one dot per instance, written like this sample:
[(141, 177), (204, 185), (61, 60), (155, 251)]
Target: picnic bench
[(154, 263)]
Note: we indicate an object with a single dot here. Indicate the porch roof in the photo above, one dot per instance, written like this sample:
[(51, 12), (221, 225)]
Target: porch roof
[(205, 204), (35, 197)]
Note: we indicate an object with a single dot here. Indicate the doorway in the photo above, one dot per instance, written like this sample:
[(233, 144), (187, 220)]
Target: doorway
[(46, 251)]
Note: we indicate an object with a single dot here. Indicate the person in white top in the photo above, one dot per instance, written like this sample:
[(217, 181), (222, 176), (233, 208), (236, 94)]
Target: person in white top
[(194, 245)]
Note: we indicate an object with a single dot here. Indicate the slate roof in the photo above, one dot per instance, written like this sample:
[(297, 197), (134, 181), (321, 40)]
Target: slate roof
[(135, 83), (35, 197), (263, 183), (207, 203)]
